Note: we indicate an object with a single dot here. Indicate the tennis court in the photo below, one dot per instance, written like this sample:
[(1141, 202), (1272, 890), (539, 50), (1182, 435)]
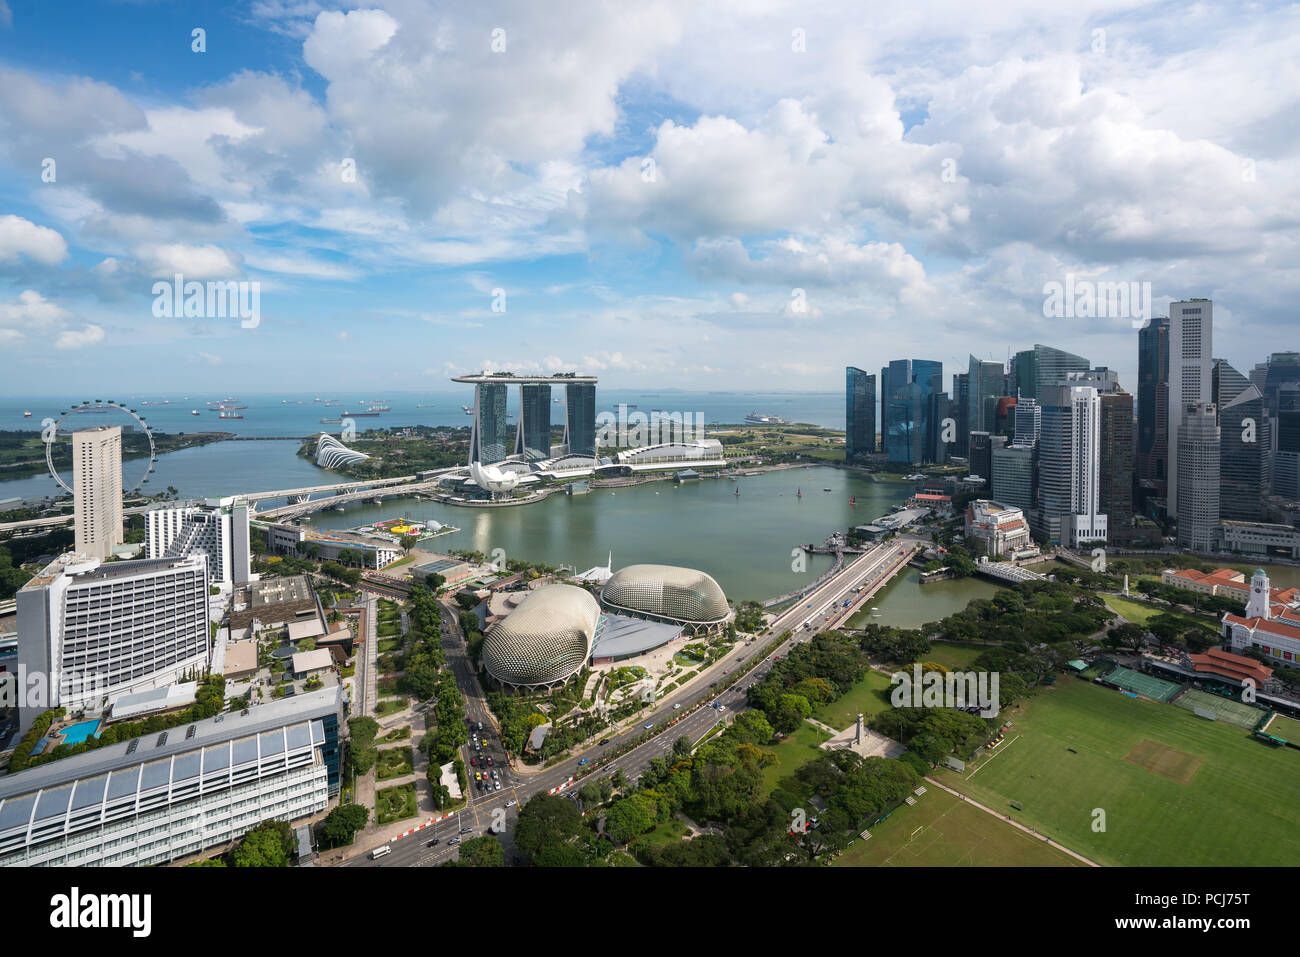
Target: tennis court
[(1139, 683), (1225, 709)]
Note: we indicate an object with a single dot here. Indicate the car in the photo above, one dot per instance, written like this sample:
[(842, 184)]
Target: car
[(489, 761), (454, 840), (583, 761), (479, 726), (467, 830), (603, 741), (432, 843), (649, 725), (473, 762), (497, 786), (512, 803), (677, 707), (494, 774)]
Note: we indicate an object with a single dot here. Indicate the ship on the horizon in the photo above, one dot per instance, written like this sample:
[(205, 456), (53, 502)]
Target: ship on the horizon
[(362, 415), (230, 414), (758, 418), (27, 413)]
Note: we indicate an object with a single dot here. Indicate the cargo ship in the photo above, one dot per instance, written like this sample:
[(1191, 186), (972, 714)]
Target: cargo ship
[(362, 415), (230, 414)]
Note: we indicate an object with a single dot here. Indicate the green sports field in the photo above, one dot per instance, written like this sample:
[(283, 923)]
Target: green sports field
[(952, 834), (1283, 727), (1176, 790)]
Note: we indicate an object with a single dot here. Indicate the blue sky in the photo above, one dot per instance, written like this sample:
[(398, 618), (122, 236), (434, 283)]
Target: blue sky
[(647, 184)]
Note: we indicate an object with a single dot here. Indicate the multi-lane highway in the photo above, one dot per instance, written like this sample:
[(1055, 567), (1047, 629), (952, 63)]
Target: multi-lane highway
[(823, 609)]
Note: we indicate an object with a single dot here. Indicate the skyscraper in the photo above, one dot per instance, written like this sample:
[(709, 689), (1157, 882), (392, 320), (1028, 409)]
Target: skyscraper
[(1153, 409), (961, 412), (97, 489), (488, 442), (985, 381), (1191, 344), (1042, 366), (859, 413), (1115, 498), (907, 418), (580, 418), (533, 440), (982, 447), (1029, 421), (96, 629), (1244, 456), (1198, 478), (1069, 467), (217, 528), (1014, 478)]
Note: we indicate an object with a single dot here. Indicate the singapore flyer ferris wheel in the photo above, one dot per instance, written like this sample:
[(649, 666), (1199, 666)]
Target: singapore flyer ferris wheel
[(50, 430)]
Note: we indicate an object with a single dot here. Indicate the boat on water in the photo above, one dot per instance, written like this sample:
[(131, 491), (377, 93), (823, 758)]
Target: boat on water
[(737, 489), (826, 490), (362, 415), (330, 421), (27, 413), (852, 501), (875, 613), (799, 493), (228, 414), (194, 411), (378, 408)]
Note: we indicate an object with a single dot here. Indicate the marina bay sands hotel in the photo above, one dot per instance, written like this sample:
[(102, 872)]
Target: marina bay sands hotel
[(490, 440)]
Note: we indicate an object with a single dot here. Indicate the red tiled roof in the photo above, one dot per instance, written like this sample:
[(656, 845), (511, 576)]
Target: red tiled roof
[(1226, 664)]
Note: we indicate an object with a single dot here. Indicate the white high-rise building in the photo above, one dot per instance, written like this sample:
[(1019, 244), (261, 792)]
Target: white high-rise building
[(88, 630), (1198, 478), (217, 528), (1191, 344), (97, 489), (1069, 466)]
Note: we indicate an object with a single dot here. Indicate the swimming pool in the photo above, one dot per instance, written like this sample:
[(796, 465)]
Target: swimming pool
[(77, 733)]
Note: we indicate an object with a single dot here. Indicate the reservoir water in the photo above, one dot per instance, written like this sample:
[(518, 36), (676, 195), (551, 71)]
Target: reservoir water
[(744, 541)]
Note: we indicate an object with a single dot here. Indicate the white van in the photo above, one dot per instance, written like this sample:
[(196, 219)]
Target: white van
[(380, 852)]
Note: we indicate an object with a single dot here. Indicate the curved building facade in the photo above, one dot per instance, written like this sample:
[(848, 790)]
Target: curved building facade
[(683, 596), (331, 453), (545, 641)]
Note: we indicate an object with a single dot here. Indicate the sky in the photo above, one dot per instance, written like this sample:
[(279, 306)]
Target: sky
[(723, 195)]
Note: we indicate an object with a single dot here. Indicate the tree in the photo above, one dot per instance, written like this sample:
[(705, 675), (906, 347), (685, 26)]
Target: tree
[(547, 821), (484, 851), (629, 817), (269, 844), (341, 824)]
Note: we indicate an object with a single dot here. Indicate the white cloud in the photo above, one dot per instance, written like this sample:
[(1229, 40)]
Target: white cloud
[(193, 262), (22, 238), (88, 335)]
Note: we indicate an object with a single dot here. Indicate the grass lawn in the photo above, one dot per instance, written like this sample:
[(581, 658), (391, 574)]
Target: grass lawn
[(1140, 614), (868, 696), (953, 656), (669, 832), (389, 644), (953, 834), (1283, 727), (393, 763), (1165, 779), (622, 859), (794, 751), (396, 803), (392, 705)]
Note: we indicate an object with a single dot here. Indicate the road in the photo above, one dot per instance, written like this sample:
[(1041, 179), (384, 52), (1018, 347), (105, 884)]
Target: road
[(824, 609)]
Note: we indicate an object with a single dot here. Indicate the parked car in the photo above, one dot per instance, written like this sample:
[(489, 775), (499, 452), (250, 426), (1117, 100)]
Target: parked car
[(512, 803)]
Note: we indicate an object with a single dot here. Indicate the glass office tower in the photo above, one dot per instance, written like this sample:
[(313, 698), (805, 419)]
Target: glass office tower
[(859, 413)]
